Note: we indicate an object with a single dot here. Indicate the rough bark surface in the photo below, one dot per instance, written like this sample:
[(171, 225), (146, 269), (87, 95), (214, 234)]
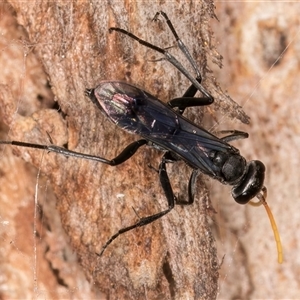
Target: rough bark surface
[(172, 258), (53, 51), (260, 42)]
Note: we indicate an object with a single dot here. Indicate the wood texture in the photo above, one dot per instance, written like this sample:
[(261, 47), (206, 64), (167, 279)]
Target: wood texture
[(53, 51), (174, 257)]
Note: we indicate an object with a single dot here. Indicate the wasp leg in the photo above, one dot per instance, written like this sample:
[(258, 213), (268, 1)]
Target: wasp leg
[(165, 183), (183, 102), (180, 43), (122, 157), (191, 190), (188, 100), (168, 56), (233, 135)]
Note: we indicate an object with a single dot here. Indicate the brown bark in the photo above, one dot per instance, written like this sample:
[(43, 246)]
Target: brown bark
[(260, 45), (172, 258), (67, 45)]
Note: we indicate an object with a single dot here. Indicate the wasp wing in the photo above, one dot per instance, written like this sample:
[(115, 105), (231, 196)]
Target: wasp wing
[(160, 124), (141, 113)]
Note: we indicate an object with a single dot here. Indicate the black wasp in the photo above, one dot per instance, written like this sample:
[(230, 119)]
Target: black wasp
[(163, 126)]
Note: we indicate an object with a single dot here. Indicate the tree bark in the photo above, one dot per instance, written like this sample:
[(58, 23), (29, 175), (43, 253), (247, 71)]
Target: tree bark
[(174, 257)]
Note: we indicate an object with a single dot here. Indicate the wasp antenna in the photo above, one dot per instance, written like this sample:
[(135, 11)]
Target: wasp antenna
[(262, 200), (275, 231)]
